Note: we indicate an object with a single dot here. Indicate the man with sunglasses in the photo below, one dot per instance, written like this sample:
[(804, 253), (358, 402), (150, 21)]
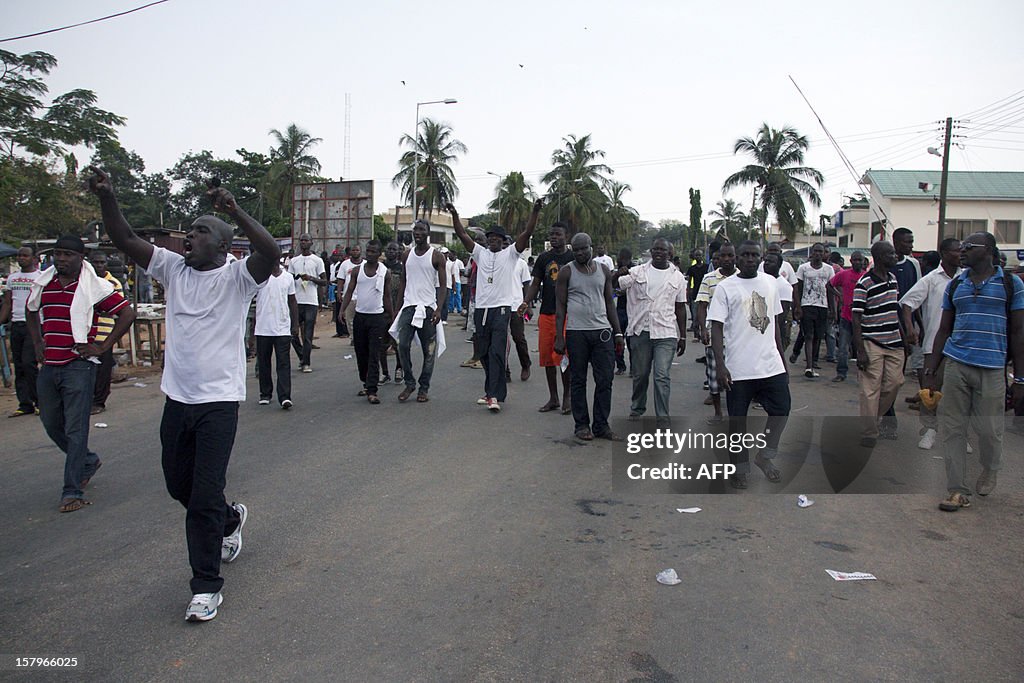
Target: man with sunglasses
[(978, 327)]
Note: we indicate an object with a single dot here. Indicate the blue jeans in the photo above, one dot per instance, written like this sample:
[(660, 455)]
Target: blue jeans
[(428, 338), (645, 354), (596, 349), (843, 350), (830, 342), (455, 298), (65, 399)]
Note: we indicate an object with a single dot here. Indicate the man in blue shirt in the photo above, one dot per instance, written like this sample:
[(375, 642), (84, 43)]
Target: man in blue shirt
[(974, 336)]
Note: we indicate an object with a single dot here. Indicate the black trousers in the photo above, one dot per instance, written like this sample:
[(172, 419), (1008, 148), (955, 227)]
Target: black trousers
[(26, 372), (368, 332), (491, 342), (596, 349), (103, 374), (197, 441), (770, 392), (307, 322), (265, 347), (340, 326), (517, 327)]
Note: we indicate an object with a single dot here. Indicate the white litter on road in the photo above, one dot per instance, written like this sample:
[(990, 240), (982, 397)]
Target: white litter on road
[(803, 501), (668, 577), (690, 510), (850, 576), (101, 425), (140, 384), (348, 357)]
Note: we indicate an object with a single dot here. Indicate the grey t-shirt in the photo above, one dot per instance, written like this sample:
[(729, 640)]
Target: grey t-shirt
[(585, 307)]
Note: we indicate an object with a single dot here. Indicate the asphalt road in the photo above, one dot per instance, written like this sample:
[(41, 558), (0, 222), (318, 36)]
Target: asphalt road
[(438, 542)]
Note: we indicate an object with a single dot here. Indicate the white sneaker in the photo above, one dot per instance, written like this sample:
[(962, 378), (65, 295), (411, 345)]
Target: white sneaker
[(231, 546), (307, 368), (264, 401), (483, 401), (493, 405), (203, 606), (927, 441)]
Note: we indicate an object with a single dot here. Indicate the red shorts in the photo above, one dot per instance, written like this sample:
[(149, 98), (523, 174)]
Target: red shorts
[(546, 340)]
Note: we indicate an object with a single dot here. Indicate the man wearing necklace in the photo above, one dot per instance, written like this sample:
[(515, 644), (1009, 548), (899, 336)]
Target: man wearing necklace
[(496, 295), (982, 320), (584, 293)]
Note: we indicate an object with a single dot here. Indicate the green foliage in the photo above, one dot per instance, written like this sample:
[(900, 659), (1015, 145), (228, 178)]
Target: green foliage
[(731, 222), (429, 158), (781, 180), (513, 201), (382, 230), (39, 202), (28, 125)]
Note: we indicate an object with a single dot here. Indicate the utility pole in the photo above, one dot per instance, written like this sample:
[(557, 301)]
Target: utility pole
[(945, 178)]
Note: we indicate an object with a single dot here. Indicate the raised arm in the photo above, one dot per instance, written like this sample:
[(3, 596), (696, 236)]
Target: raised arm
[(467, 239), (266, 252), (523, 240), (121, 234)]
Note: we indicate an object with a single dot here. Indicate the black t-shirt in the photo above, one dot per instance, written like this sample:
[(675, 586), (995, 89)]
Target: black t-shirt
[(546, 268), (694, 274)]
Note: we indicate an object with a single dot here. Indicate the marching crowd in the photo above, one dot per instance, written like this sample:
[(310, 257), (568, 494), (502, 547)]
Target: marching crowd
[(953, 320)]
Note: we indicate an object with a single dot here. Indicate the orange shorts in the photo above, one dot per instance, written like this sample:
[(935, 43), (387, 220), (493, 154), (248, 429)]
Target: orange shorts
[(546, 340)]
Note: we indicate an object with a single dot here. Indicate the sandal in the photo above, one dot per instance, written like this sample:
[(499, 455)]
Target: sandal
[(771, 472), (422, 398), (372, 398), (547, 407), (406, 393), (362, 392), (584, 435), (72, 504)]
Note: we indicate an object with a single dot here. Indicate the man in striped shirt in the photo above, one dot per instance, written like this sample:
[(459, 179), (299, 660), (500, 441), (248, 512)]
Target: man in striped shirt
[(876, 331), (68, 377)]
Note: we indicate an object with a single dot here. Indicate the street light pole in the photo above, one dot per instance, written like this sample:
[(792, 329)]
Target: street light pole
[(416, 151), (945, 178)]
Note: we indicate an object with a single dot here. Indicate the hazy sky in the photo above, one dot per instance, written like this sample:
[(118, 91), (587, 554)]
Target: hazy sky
[(664, 88)]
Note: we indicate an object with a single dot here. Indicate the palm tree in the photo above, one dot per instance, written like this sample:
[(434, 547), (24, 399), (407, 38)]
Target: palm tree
[(431, 154), (621, 221), (290, 162), (514, 197), (779, 176), (730, 221), (574, 184)]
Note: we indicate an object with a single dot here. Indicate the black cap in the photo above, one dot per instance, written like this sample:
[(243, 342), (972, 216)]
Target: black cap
[(70, 243), (496, 230)]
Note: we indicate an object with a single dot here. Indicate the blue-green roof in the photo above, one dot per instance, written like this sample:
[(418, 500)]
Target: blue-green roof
[(962, 184)]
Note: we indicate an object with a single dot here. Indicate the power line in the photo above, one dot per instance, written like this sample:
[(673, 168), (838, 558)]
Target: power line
[(977, 112), (82, 23)]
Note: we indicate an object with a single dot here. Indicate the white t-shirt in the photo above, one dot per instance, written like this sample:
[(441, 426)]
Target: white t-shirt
[(814, 279), (336, 272), (206, 309), (747, 307), (459, 267), (453, 274), (20, 284), (606, 260), (313, 266), (785, 270), (273, 316), (656, 281), (496, 277), (927, 294), (785, 289), (347, 267)]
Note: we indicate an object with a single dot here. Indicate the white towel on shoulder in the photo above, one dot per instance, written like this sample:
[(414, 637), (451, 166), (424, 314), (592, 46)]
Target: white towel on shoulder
[(91, 290)]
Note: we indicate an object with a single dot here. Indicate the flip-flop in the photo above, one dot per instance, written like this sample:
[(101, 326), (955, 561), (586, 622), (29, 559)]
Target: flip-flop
[(72, 504), (771, 472), (406, 393), (567, 411), (548, 407), (372, 398), (584, 435), (362, 392), (422, 398)]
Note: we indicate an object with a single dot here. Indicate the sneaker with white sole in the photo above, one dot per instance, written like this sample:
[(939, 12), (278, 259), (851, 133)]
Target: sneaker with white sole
[(493, 405), (264, 401), (203, 606), (231, 545), (483, 401), (307, 368), (286, 404), (927, 441)]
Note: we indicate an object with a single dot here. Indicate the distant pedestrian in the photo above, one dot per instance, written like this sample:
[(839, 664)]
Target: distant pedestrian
[(419, 309), (370, 285), (23, 350), (309, 273), (104, 326), (726, 260), (277, 321), (842, 286), (810, 305)]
